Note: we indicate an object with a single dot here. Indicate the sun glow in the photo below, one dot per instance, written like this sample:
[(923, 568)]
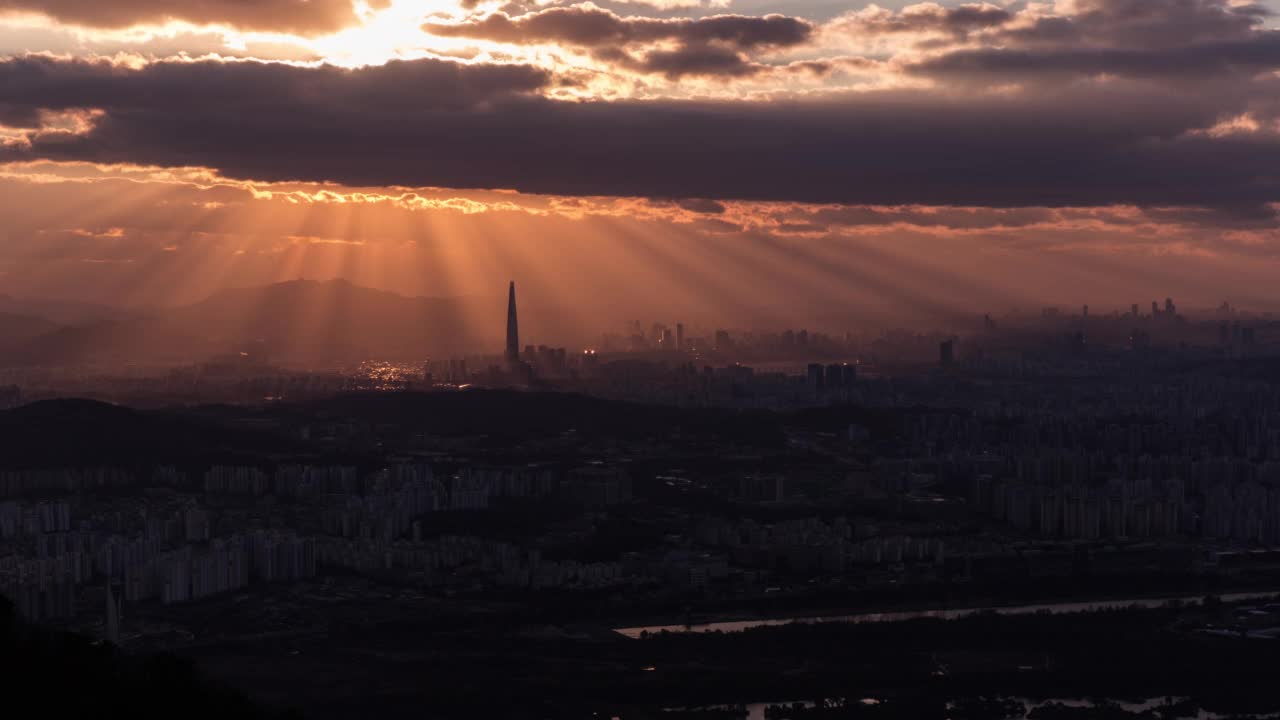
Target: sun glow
[(383, 34), (389, 34)]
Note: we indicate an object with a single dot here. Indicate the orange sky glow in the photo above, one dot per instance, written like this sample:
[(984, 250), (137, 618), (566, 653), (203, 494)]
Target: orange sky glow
[(671, 158)]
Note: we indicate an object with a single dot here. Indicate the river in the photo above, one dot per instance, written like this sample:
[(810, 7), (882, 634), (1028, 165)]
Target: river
[(945, 614)]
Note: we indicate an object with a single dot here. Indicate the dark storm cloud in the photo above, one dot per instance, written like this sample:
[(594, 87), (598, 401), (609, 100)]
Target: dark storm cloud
[(1141, 23), (697, 205), (256, 91), (950, 218), (1134, 38), (957, 21), (827, 66), (712, 46), (1226, 216), (438, 123), (19, 116), (1251, 55), (294, 16), (1095, 24), (697, 60), (593, 27)]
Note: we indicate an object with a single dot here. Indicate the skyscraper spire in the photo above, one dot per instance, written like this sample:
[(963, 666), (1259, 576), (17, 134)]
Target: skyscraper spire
[(113, 618), (513, 327)]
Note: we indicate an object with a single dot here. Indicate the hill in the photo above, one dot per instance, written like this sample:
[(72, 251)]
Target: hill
[(86, 433), (40, 665), (311, 319), (61, 312), (515, 414), (16, 330), (303, 321)]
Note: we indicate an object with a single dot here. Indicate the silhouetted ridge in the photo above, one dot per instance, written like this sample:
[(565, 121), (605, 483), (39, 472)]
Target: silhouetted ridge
[(16, 329), (534, 414), (68, 675), (70, 433), (302, 321), (67, 409), (60, 312)]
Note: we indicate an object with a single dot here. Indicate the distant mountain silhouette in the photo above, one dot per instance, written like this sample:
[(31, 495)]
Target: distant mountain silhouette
[(148, 340), (299, 321), (62, 312), (16, 330)]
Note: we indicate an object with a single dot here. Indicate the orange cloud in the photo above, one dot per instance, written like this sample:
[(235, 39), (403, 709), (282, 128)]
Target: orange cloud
[(303, 17)]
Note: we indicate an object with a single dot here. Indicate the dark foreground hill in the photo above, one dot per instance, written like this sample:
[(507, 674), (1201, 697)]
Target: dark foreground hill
[(86, 433), (514, 414), (58, 674)]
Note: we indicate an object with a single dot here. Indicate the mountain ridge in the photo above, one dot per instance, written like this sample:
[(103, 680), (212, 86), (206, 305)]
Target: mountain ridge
[(297, 321)]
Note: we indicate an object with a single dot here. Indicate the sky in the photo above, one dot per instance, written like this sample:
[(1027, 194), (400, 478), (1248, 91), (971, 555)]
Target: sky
[(759, 160)]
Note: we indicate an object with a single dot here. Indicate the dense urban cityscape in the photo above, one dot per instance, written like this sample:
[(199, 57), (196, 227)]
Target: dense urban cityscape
[(663, 482)]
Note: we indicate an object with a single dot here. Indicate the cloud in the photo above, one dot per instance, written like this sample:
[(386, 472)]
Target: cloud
[(1079, 24), (668, 5), (715, 46), (985, 44), (958, 21), (213, 87), (1247, 56), (1138, 23), (698, 60), (23, 38), (590, 26), (447, 124), (305, 17), (706, 207), (1095, 102)]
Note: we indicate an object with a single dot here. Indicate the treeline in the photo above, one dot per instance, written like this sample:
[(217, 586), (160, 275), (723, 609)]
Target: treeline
[(63, 674)]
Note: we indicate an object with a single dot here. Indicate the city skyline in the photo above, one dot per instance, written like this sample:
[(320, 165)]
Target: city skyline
[(371, 326)]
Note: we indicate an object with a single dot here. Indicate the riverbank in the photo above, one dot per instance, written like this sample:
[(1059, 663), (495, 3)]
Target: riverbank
[(741, 624)]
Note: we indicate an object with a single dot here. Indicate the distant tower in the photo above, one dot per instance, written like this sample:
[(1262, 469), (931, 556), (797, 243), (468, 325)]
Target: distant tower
[(947, 353), (513, 327), (113, 618)]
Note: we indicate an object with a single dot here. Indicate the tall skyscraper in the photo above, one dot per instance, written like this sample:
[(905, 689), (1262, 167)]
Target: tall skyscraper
[(513, 327), (113, 618)]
